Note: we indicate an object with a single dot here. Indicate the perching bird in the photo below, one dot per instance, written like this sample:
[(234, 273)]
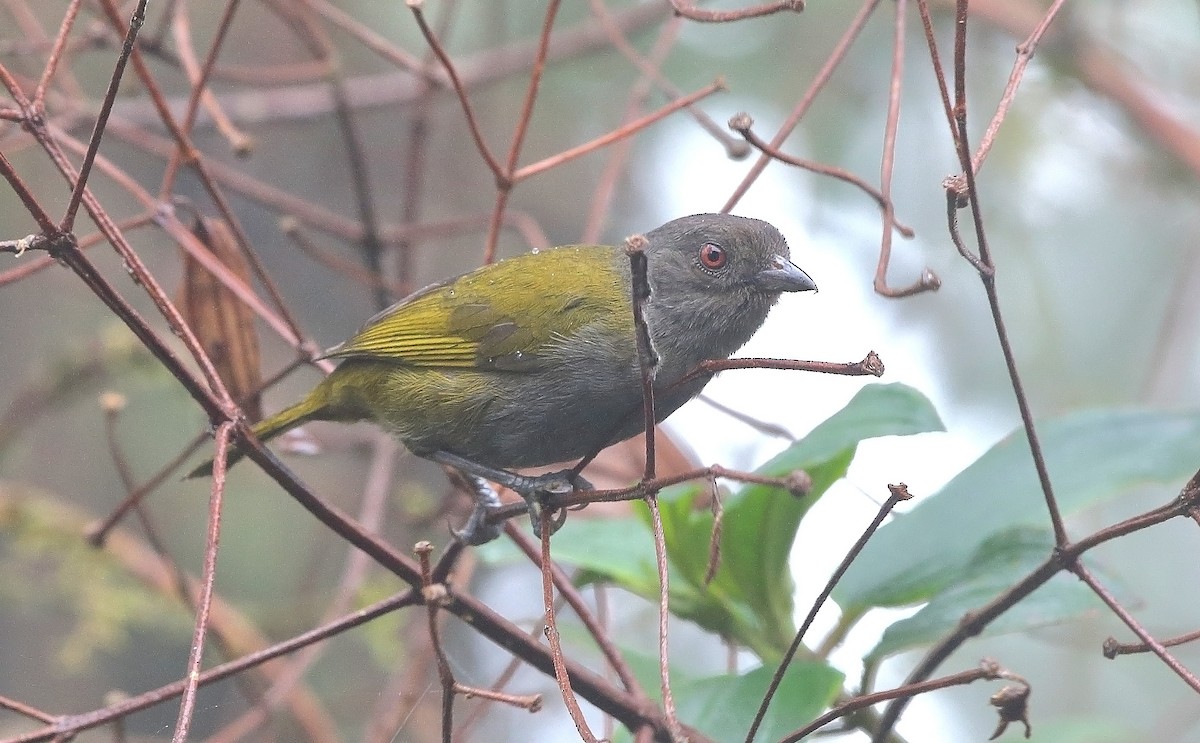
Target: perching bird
[(533, 360)]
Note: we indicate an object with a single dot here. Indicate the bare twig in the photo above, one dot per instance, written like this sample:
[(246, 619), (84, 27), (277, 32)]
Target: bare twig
[(1112, 648), (822, 78), (574, 599), (928, 280), (1133, 624), (70, 724), (556, 652), (114, 83), (897, 493), (459, 89), (625, 131), (1062, 558), (742, 123), (988, 670), (187, 705)]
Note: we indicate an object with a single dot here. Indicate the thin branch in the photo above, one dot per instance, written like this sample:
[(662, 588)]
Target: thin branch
[(1133, 624), (208, 577), (871, 365), (433, 593), (56, 53), (556, 653), (989, 279), (1113, 648), (459, 89), (535, 81), (1024, 53), (135, 23), (831, 63), (988, 670), (742, 123), (664, 617), (32, 205), (648, 361), (928, 280), (575, 600), (1062, 558), (625, 131), (198, 76), (897, 493), (652, 75), (71, 724), (183, 140), (504, 183), (24, 709)]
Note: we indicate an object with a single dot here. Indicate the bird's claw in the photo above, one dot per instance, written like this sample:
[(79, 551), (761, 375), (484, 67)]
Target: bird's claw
[(535, 490), (477, 530)]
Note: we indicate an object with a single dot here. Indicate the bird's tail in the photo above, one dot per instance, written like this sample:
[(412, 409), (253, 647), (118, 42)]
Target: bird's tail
[(308, 409)]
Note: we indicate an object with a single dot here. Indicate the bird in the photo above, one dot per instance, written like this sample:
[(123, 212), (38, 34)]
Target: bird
[(534, 360)]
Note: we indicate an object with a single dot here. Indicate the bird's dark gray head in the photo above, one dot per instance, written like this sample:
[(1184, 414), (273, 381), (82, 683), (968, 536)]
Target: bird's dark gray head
[(723, 253), (713, 277)]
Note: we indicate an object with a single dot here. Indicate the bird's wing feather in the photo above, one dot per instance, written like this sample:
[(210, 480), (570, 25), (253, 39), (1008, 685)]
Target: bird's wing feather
[(502, 317)]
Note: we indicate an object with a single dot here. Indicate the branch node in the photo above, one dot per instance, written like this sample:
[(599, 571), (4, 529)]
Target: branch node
[(799, 483)]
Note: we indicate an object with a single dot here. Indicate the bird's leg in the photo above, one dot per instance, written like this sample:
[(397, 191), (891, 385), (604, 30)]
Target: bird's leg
[(532, 488)]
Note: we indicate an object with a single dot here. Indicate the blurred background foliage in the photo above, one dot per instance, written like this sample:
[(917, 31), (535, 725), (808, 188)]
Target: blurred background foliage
[(1090, 203)]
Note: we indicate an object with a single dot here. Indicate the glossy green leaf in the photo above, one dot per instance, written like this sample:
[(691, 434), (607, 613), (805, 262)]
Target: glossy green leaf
[(1000, 562), (1092, 456), (760, 522), (723, 707), (615, 550)]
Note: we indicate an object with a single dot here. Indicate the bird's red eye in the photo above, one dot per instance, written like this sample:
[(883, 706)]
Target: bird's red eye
[(713, 256)]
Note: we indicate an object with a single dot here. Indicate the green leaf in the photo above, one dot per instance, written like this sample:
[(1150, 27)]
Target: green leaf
[(1000, 562), (723, 707), (615, 550), (761, 521), (877, 410), (1092, 456)]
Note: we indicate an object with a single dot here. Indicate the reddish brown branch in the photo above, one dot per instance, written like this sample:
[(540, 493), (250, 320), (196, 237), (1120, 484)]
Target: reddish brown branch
[(897, 493), (1062, 558), (742, 123), (1133, 624), (625, 131), (459, 90), (822, 78), (56, 53), (135, 23), (575, 600), (928, 280), (556, 652), (988, 670), (187, 704)]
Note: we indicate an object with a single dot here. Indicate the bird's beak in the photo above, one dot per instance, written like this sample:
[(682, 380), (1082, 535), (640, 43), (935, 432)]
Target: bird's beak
[(784, 276)]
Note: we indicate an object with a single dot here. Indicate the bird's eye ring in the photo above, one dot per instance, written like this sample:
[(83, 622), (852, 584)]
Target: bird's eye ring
[(713, 256)]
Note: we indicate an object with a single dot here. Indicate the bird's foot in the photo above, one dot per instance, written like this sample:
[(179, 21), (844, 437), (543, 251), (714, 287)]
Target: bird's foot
[(534, 489)]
